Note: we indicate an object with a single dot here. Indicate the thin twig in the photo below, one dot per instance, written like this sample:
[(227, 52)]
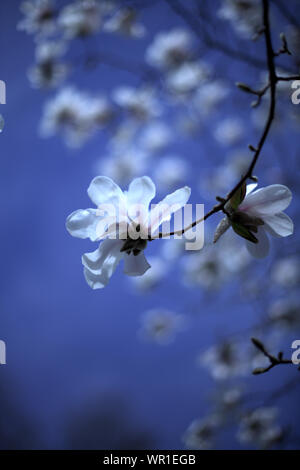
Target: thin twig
[(274, 360)]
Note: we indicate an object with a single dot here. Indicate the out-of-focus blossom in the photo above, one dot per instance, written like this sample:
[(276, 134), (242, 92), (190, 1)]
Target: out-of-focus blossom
[(124, 22), (286, 272), (170, 49), (229, 400), (224, 361), (2, 122), (123, 166), (151, 278), (101, 264), (161, 326), (188, 77), (170, 171), (259, 212), (48, 71), (285, 313), (142, 103), (201, 432), (209, 96), (80, 18), (39, 17), (293, 40), (173, 249), (229, 131), (76, 115), (259, 428), (155, 137), (244, 15)]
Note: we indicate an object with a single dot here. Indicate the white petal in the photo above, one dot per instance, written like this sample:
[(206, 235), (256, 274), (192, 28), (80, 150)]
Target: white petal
[(83, 223), (170, 204), (103, 190), (141, 191), (279, 225), (260, 249), (101, 263), (135, 265), (250, 188), (267, 201)]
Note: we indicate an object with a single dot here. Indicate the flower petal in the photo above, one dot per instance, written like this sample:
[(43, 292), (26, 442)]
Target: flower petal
[(135, 265), (267, 201), (250, 188), (83, 224), (170, 204), (103, 190), (141, 191), (101, 263), (279, 225), (260, 249)]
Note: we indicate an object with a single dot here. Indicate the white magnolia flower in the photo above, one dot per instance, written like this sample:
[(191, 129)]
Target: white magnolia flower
[(140, 103), (48, 71), (187, 77), (161, 325), (80, 18), (244, 15), (260, 428), (261, 211), (229, 131), (201, 432), (224, 361), (169, 49), (2, 122), (100, 264), (152, 277), (285, 313), (74, 114), (209, 96), (124, 22), (39, 17)]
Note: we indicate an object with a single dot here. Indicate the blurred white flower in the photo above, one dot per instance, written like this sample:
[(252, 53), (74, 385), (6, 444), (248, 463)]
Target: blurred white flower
[(205, 269), (140, 103), (151, 278), (229, 131), (48, 71), (124, 22), (259, 428), (170, 171), (285, 313), (224, 361), (101, 264), (286, 272), (80, 18), (2, 122), (124, 165), (244, 15), (74, 114), (188, 77), (39, 17), (261, 211), (201, 432), (155, 137), (209, 96), (161, 325), (170, 49)]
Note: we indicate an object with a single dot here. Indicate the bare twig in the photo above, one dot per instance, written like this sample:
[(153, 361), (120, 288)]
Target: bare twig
[(274, 360)]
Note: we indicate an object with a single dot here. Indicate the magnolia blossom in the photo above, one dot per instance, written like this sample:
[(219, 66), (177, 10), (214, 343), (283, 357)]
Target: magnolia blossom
[(124, 22), (210, 95), (39, 16), (286, 272), (80, 18), (187, 77), (244, 15), (118, 242), (229, 131), (261, 212), (170, 171), (260, 428), (140, 103), (285, 313), (75, 114), (156, 136), (151, 278), (224, 361), (201, 432), (48, 71), (170, 49), (161, 325), (2, 122)]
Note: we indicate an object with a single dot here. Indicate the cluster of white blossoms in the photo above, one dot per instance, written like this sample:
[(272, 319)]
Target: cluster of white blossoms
[(259, 427), (244, 15), (201, 433), (161, 325), (76, 115), (48, 71), (141, 104)]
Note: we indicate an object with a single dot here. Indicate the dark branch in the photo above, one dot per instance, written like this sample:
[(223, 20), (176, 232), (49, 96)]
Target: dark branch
[(274, 360)]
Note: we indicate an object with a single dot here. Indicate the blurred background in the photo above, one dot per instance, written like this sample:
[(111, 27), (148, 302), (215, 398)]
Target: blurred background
[(165, 361)]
